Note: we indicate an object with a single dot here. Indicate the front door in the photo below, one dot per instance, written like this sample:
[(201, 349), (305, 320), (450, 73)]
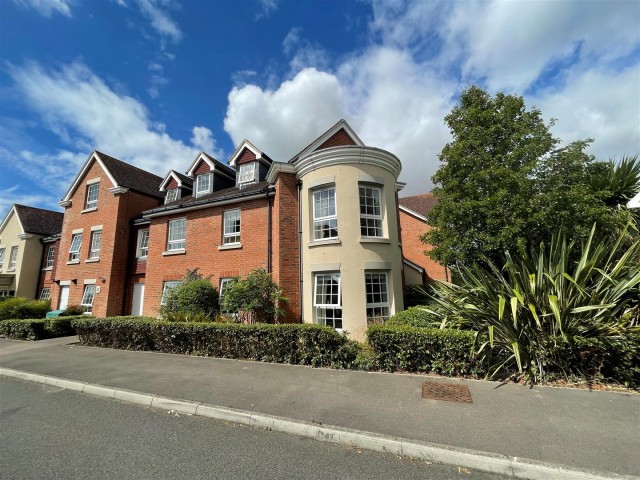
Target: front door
[(64, 297), (138, 299)]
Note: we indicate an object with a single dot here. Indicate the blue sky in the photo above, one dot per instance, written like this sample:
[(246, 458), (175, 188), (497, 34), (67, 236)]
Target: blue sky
[(152, 82)]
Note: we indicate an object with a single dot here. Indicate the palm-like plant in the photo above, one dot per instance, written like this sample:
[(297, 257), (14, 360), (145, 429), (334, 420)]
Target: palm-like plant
[(617, 182), (541, 301)]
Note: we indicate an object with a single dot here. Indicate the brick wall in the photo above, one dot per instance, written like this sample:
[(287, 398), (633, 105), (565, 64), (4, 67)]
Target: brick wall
[(337, 139), (47, 276), (413, 249), (247, 157)]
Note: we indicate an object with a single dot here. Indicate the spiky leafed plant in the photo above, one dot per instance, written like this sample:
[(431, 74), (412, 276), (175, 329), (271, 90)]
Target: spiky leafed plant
[(617, 182), (541, 301)]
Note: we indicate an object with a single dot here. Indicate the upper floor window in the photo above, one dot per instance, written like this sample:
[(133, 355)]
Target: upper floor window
[(377, 295), (74, 250), (327, 299), (96, 241), (166, 288), (1, 257), (172, 195), (143, 244), (177, 233), (203, 184), (231, 227), (246, 174), (325, 218), (92, 196), (45, 294), (370, 212), (87, 298), (51, 254), (13, 258)]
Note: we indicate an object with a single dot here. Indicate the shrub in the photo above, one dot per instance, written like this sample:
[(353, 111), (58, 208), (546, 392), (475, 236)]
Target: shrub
[(254, 298), (193, 300), (303, 344), (541, 302), (22, 308), (425, 350), (72, 311), (355, 356), (37, 329), (414, 317)]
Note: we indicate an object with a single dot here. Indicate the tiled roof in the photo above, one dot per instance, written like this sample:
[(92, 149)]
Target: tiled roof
[(225, 194), (225, 168), (39, 221), (186, 181), (134, 178), (421, 204)]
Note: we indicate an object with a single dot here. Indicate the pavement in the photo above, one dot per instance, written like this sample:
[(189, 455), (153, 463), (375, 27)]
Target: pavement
[(574, 429)]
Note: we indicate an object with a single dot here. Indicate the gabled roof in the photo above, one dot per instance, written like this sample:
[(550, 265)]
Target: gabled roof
[(419, 205), (120, 174), (214, 164), (181, 179), (36, 220), (260, 155), (341, 125)]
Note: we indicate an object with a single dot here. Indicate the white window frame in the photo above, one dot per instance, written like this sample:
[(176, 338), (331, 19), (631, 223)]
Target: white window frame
[(321, 220), (231, 235), (321, 309), (382, 308), (176, 243), (142, 251), (246, 176), (166, 287), (51, 253), (88, 296), (202, 176), (74, 249), (224, 282), (172, 195), (48, 294), (92, 196), (94, 253), (370, 222), (13, 258), (2, 252)]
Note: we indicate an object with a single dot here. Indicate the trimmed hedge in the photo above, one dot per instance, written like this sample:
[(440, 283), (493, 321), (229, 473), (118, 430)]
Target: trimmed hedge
[(37, 329), (412, 317), (19, 308), (424, 350), (302, 344)]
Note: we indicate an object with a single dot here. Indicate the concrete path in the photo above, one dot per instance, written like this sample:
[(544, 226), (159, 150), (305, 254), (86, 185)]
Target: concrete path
[(596, 431)]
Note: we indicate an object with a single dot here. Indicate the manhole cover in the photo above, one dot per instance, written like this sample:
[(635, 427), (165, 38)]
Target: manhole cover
[(446, 391)]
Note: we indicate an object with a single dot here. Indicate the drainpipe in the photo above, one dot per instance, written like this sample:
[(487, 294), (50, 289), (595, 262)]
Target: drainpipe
[(269, 241), (300, 275)]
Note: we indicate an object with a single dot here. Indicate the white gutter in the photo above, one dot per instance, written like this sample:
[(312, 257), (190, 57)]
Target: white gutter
[(206, 205)]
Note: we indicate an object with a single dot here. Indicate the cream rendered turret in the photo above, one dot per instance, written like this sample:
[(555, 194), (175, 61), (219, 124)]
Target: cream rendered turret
[(351, 272)]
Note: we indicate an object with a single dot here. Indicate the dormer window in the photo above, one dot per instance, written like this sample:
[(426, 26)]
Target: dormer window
[(172, 195), (203, 184), (247, 174)]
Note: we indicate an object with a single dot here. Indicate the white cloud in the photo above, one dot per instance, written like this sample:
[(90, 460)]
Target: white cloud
[(87, 114), (47, 7), (157, 12), (268, 7), (11, 195)]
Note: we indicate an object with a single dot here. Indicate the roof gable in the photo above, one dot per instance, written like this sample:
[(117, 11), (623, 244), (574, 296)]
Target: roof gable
[(214, 165), (8, 216), (341, 133), (243, 150), (180, 179)]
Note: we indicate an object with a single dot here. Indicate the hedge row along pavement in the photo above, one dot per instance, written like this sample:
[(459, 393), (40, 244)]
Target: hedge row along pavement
[(37, 329)]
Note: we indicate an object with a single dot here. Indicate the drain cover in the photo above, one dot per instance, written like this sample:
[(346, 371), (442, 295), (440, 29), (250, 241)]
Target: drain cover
[(446, 391)]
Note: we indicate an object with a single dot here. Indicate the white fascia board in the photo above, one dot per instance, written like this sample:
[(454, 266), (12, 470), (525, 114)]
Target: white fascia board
[(167, 179), (342, 124), (415, 266), (6, 219), (206, 205), (412, 213), (83, 171), (249, 146), (276, 168)]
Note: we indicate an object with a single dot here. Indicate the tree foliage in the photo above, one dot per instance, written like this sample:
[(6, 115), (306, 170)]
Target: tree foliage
[(504, 183), (255, 298), (194, 299)]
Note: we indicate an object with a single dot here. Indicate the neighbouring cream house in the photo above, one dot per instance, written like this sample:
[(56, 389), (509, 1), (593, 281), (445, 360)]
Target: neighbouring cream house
[(21, 248)]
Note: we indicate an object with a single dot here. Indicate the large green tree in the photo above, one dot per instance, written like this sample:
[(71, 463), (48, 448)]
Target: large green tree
[(503, 183)]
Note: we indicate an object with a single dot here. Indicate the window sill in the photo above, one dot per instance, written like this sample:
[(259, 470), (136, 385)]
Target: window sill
[(230, 246), (46, 269), (328, 241), (73, 262), (374, 240), (11, 270), (87, 210), (181, 251), (142, 259), (92, 260)]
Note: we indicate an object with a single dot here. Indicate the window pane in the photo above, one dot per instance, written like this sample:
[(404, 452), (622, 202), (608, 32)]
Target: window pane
[(92, 195), (96, 240), (166, 287), (172, 195), (203, 184), (74, 251), (13, 258), (1, 256), (325, 221), (143, 242), (247, 173), (370, 212), (50, 257), (231, 227), (377, 295), (45, 294), (177, 234), (87, 298)]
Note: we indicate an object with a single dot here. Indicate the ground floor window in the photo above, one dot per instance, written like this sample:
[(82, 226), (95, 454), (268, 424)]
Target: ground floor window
[(377, 296), (224, 283), (166, 288), (87, 298), (7, 293), (45, 294), (327, 299)]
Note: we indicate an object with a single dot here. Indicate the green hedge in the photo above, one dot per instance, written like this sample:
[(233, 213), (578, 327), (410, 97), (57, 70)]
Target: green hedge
[(412, 317), (425, 350), (18, 308), (302, 344), (37, 329)]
